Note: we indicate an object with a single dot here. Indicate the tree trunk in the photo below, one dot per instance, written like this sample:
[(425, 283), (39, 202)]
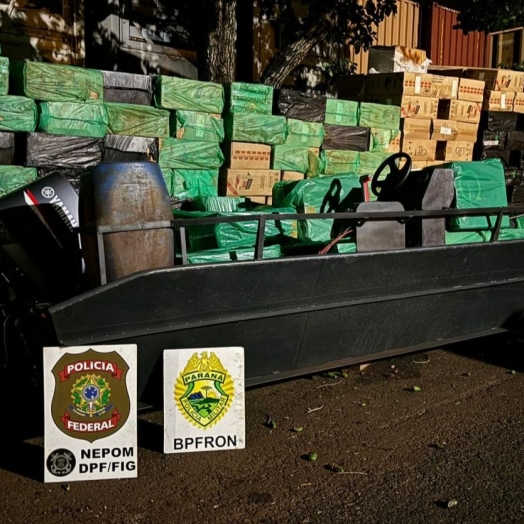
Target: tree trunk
[(287, 59), (216, 51)]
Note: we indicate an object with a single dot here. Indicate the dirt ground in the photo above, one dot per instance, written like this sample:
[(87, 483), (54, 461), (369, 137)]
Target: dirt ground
[(452, 452)]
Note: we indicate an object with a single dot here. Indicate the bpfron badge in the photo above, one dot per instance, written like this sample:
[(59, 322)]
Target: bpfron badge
[(204, 390), (91, 399)]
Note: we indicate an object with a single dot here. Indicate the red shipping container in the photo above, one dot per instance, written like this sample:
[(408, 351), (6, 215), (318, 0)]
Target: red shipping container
[(446, 46)]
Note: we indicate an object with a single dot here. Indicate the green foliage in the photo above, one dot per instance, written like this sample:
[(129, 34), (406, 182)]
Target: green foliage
[(347, 20), (490, 15), (339, 68)]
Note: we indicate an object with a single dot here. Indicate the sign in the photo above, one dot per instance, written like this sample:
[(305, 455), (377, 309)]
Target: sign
[(204, 400), (90, 402)]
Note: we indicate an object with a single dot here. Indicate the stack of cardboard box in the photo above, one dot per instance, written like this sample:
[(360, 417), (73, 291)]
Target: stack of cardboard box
[(439, 115)]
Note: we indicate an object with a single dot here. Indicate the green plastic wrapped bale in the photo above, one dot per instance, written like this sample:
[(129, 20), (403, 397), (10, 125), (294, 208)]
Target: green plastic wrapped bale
[(341, 112), (235, 234), (188, 95), (248, 98), (199, 127), (304, 134), (382, 139), (218, 204), (344, 248), (471, 237), (214, 256), (18, 113), (72, 119), (379, 116), (307, 196), (477, 185), (464, 237), (189, 184), (510, 234), (4, 75), (183, 154), (340, 162), (14, 177), (57, 83), (299, 159), (137, 120), (257, 129), (370, 162)]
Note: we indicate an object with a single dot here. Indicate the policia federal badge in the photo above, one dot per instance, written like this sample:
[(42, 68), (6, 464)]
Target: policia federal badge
[(91, 400)]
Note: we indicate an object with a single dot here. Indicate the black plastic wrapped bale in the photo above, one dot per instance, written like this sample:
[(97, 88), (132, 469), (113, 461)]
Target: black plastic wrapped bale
[(7, 149), (504, 156), (346, 138), (120, 195), (515, 141), (119, 148), (497, 121), (300, 106), (494, 140), (126, 88), (71, 175), (64, 152)]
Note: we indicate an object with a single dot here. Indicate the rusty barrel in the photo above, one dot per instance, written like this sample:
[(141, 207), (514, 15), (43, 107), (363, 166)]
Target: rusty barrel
[(125, 194)]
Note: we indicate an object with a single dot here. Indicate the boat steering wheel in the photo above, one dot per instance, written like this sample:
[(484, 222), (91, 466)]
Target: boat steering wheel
[(396, 177)]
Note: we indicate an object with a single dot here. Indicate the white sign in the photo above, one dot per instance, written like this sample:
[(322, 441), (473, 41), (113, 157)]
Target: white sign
[(204, 408), (90, 402)]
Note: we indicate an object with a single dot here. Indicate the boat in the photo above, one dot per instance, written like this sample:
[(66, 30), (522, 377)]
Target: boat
[(402, 290)]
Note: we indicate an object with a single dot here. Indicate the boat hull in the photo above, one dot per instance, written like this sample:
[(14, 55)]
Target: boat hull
[(298, 315)]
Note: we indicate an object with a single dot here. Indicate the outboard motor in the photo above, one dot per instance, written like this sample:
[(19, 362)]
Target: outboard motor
[(38, 237)]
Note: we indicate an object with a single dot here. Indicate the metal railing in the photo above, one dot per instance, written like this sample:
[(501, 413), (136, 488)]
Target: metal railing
[(357, 218)]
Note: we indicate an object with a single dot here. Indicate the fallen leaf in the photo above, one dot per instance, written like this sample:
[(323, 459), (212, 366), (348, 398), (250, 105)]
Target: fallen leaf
[(416, 389), (298, 430), (312, 456)]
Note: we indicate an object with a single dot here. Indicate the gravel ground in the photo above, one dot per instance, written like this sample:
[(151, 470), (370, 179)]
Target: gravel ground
[(407, 455)]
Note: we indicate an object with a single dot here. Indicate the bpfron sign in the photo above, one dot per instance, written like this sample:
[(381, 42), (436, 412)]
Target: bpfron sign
[(204, 400)]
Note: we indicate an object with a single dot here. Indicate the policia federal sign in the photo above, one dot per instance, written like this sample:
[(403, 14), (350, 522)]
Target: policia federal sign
[(204, 400), (90, 413)]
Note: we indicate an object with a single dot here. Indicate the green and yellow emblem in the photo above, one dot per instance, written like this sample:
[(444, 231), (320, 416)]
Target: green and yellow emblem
[(204, 390)]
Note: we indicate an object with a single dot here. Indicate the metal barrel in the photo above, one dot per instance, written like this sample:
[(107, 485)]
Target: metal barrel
[(119, 195)]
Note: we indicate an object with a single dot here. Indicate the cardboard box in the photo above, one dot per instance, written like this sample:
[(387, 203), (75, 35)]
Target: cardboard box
[(292, 175), (418, 107), (455, 151), (498, 79), (460, 111), (247, 182), (249, 156), (444, 130), (263, 201), (424, 164), (420, 149), (498, 101), (450, 130), (471, 90), (394, 59), (467, 132), (518, 103), (412, 84), (416, 128)]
